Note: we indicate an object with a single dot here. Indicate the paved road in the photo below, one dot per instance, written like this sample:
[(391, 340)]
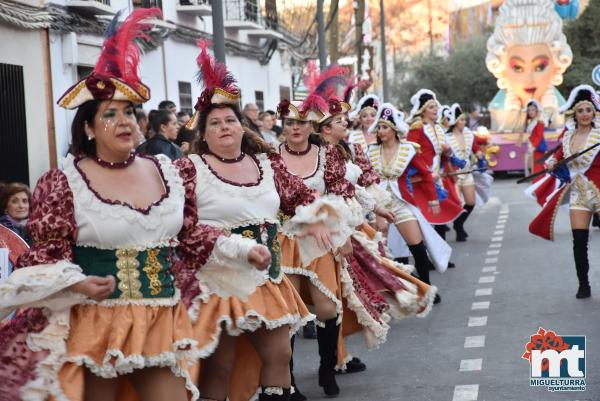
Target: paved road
[(507, 284)]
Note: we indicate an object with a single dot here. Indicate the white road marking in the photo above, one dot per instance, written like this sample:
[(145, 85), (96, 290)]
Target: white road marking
[(486, 279), (493, 252), (488, 269), (499, 232), (480, 305), (477, 321), (491, 260), (482, 292), (497, 239), (470, 365), (474, 341), (466, 392), (496, 245)]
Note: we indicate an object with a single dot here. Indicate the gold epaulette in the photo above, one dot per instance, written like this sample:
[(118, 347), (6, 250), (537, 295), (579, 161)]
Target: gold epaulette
[(416, 125), (415, 145)]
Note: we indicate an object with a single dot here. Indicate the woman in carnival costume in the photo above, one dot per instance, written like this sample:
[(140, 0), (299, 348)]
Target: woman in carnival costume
[(580, 180), (322, 168), (534, 126), (466, 146), (365, 112), (404, 175), (243, 318), (444, 116), (431, 137), (100, 307), (365, 240), (389, 285)]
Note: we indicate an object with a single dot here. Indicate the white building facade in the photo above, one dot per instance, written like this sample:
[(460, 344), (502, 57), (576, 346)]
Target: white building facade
[(257, 54)]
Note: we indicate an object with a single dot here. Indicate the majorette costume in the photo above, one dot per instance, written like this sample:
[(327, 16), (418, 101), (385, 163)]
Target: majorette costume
[(386, 287), (324, 272), (57, 334), (430, 139), (535, 130), (366, 103), (465, 148), (580, 183), (403, 178), (230, 296)]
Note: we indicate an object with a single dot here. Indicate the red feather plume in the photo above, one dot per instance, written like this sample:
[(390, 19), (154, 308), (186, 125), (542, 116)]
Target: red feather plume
[(314, 101), (350, 86), (213, 73), (328, 81), (120, 55)]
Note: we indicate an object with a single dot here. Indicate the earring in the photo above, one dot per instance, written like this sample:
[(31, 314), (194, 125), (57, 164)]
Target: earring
[(90, 138)]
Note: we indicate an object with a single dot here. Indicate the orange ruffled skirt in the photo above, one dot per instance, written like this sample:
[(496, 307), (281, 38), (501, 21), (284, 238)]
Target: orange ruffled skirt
[(113, 341)]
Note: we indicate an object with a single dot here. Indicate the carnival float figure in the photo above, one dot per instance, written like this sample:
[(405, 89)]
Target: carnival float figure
[(576, 165), (528, 54)]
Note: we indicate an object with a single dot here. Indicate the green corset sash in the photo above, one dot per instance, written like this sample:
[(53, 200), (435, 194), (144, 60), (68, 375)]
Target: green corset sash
[(265, 234), (139, 274)]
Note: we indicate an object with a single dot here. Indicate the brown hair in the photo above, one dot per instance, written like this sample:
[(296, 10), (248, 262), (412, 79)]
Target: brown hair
[(252, 143), (7, 192), (341, 146)]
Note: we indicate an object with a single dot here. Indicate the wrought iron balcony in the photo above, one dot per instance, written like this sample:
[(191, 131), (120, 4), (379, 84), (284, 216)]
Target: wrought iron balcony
[(258, 17), (94, 7), (200, 8)]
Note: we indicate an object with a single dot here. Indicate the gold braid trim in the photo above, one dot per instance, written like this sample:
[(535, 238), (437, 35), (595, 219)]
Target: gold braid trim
[(128, 274), (152, 269), (68, 98)]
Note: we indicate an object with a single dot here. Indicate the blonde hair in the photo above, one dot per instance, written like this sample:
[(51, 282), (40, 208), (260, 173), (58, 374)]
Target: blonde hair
[(527, 22)]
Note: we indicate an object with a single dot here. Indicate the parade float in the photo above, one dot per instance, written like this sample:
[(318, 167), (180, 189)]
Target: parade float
[(528, 54)]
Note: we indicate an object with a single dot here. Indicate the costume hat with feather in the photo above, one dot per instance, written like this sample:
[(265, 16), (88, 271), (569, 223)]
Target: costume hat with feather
[(115, 76), (443, 114), (579, 94), (371, 102), (390, 116), (454, 114), (219, 86), (420, 101)]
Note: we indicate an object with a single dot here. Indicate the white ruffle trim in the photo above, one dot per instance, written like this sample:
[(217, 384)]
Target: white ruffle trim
[(41, 286), (207, 179), (371, 245), (228, 272), (314, 280), (109, 303), (364, 198), (380, 196), (375, 331), (334, 212), (251, 322), (53, 339), (161, 243), (86, 198)]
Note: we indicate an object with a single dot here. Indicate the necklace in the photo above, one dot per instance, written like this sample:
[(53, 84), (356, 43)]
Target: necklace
[(229, 161), (116, 165), (296, 152)]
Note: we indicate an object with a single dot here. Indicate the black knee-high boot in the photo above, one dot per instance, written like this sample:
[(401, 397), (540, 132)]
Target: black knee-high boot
[(274, 394), (582, 264), (423, 265), (327, 338), (459, 224), (296, 395)]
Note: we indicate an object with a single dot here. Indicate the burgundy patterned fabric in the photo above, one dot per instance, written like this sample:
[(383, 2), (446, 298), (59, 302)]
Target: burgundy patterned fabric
[(335, 172), (369, 176), (381, 277), (51, 222), (196, 241), (291, 189), (53, 230), (17, 361)]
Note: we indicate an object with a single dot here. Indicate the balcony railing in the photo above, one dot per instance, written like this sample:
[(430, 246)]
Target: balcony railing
[(200, 8), (251, 14), (96, 7)]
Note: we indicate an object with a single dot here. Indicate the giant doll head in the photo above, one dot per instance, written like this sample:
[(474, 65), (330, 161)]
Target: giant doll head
[(528, 54)]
